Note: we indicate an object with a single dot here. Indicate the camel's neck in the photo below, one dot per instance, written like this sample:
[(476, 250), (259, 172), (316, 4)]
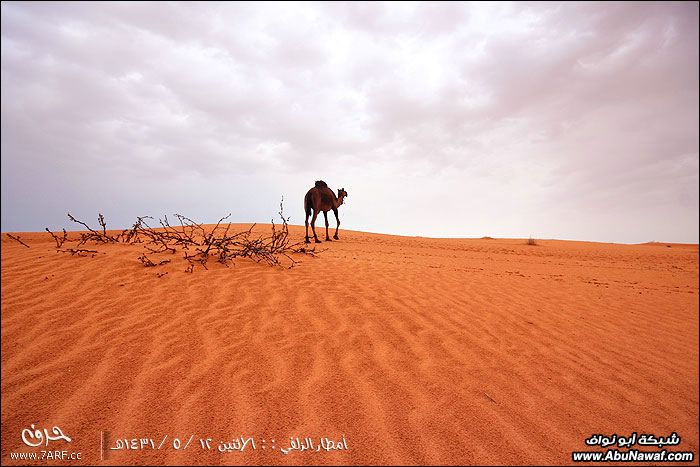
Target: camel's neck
[(339, 201)]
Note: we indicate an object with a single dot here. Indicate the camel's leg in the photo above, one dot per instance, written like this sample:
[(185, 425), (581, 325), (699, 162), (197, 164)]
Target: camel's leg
[(335, 211), (313, 226), (307, 229), (325, 216)]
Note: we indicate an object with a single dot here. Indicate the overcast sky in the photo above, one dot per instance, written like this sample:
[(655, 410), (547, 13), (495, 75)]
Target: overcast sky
[(571, 121)]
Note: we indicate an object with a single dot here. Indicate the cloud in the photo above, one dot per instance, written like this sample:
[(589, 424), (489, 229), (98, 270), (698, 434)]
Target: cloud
[(473, 118)]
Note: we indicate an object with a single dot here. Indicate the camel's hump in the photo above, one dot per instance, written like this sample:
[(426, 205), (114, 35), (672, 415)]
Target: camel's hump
[(320, 183)]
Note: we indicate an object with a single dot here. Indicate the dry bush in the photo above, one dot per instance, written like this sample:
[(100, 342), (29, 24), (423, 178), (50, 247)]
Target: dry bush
[(197, 244)]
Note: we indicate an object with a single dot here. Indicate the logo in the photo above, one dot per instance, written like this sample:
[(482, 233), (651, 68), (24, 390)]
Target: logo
[(33, 437)]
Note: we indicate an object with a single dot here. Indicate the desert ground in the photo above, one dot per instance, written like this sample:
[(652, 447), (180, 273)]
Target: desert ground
[(413, 350)]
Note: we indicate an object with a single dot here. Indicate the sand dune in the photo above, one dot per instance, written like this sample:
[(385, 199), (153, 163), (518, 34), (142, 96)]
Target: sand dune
[(416, 350)]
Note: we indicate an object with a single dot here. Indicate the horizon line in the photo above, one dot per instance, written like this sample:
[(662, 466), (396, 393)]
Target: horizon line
[(486, 237)]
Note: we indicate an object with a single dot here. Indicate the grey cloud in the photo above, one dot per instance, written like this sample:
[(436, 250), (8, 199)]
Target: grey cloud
[(565, 105)]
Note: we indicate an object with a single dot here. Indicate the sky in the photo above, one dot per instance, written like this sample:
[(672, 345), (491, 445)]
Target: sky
[(547, 120)]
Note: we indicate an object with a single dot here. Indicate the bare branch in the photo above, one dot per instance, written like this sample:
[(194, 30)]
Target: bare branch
[(59, 241), (18, 239), (79, 251)]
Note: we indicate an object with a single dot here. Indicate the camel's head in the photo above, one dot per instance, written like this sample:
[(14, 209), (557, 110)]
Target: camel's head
[(342, 194)]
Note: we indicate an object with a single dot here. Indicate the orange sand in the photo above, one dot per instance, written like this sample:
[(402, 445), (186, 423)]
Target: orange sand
[(417, 350)]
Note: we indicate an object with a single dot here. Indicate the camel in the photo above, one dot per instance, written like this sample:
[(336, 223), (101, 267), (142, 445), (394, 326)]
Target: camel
[(322, 198)]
